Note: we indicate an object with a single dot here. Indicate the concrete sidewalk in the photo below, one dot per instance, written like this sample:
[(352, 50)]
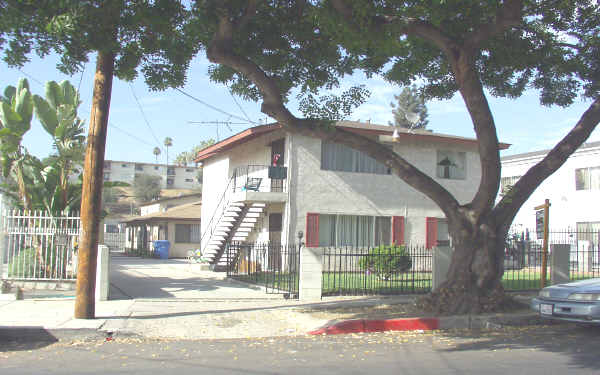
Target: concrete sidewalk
[(170, 299)]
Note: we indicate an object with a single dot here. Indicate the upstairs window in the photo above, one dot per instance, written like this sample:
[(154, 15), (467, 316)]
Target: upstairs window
[(139, 167), (587, 178), (451, 165), (338, 157)]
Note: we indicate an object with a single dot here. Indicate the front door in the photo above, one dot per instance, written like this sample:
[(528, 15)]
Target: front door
[(275, 227), (277, 160)]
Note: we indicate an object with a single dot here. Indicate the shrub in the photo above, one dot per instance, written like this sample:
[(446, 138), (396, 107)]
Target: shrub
[(385, 261), (23, 265), (29, 264)]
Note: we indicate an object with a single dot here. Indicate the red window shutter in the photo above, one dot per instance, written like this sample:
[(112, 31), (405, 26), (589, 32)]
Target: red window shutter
[(431, 232), (312, 230), (398, 230)]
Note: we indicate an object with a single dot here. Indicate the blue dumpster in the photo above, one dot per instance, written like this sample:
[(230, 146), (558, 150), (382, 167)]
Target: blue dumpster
[(161, 248)]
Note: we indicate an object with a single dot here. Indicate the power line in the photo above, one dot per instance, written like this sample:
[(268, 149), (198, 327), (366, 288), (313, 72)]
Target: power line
[(32, 78), (217, 123), (131, 135), (213, 107), (144, 115), (239, 106)]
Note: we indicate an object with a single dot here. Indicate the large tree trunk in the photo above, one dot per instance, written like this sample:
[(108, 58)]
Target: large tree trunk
[(473, 283), (91, 197)]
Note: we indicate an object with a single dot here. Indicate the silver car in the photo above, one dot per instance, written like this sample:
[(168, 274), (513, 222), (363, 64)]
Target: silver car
[(575, 302)]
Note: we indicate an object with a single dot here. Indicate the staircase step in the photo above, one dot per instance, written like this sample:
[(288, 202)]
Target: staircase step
[(259, 205), (253, 214), (250, 220), (228, 219), (231, 208)]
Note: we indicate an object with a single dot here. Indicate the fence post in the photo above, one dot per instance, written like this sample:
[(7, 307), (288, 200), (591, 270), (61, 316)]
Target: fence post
[(559, 263), (103, 273), (311, 273), (442, 256)]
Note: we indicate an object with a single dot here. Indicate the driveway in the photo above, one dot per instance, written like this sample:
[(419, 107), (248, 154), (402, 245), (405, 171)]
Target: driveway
[(146, 278)]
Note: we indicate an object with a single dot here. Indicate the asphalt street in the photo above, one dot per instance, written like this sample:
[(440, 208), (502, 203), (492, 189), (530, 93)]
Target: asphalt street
[(554, 349)]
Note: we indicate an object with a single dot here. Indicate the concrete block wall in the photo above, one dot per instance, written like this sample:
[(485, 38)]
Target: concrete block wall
[(311, 273)]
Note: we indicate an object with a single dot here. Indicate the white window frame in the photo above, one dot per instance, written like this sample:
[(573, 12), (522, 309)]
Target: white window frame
[(457, 167), (333, 238), (587, 178)]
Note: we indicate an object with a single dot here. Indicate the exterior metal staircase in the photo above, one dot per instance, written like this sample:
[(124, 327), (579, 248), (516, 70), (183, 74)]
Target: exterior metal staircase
[(236, 223)]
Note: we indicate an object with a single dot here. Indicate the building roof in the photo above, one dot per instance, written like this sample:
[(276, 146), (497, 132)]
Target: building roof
[(152, 164), (189, 211), (544, 152), (199, 195), (355, 126)]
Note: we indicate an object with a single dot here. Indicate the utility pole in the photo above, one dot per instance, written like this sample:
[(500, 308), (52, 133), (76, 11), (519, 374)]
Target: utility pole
[(91, 197)]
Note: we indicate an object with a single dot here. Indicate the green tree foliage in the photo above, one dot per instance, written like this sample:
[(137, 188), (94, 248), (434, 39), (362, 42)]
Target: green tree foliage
[(156, 151), (146, 187), (168, 142), (45, 184), (409, 111), (187, 157), (16, 112), (386, 261)]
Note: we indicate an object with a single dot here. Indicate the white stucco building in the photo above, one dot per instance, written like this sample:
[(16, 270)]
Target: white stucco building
[(172, 176), (267, 185), (174, 219), (573, 190)]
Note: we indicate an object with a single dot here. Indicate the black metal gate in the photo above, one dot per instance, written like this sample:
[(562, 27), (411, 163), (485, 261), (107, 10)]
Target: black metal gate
[(272, 265)]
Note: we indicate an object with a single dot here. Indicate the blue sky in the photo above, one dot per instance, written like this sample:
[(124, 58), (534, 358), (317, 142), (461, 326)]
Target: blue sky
[(523, 122)]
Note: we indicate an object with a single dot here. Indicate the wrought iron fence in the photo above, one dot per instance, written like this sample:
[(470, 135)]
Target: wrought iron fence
[(381, 270), (115, 241), (275, 266), (524, 252), (38, 246)]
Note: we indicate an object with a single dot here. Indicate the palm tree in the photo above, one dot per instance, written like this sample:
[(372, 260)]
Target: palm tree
[(168, 143), (156, 153)]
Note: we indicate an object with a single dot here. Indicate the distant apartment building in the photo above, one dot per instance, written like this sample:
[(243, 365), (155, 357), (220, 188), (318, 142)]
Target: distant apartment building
[(172, 177), (573, 190)]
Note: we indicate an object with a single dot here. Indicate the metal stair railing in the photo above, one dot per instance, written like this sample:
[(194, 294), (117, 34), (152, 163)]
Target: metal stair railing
[(219, 211)]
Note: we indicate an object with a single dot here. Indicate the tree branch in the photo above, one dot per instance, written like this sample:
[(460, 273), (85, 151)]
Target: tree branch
[(409, 26), (510, 14), (471, 89), (247, 16), (506, 210), (220, 52)]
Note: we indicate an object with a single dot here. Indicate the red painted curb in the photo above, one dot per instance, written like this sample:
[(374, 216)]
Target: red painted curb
[(362, 325)]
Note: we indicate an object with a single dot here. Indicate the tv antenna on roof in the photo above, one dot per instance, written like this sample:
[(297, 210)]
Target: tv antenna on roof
[(413, 118), (217, 123)]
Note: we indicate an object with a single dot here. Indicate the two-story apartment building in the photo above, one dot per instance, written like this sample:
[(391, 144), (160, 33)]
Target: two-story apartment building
[(172, 176), (573, 190), (267, 184)]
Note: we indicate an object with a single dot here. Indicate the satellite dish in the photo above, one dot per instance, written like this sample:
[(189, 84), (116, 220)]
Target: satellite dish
[(412, 117)]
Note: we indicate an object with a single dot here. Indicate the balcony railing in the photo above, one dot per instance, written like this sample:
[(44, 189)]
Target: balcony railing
[(260, 178)]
